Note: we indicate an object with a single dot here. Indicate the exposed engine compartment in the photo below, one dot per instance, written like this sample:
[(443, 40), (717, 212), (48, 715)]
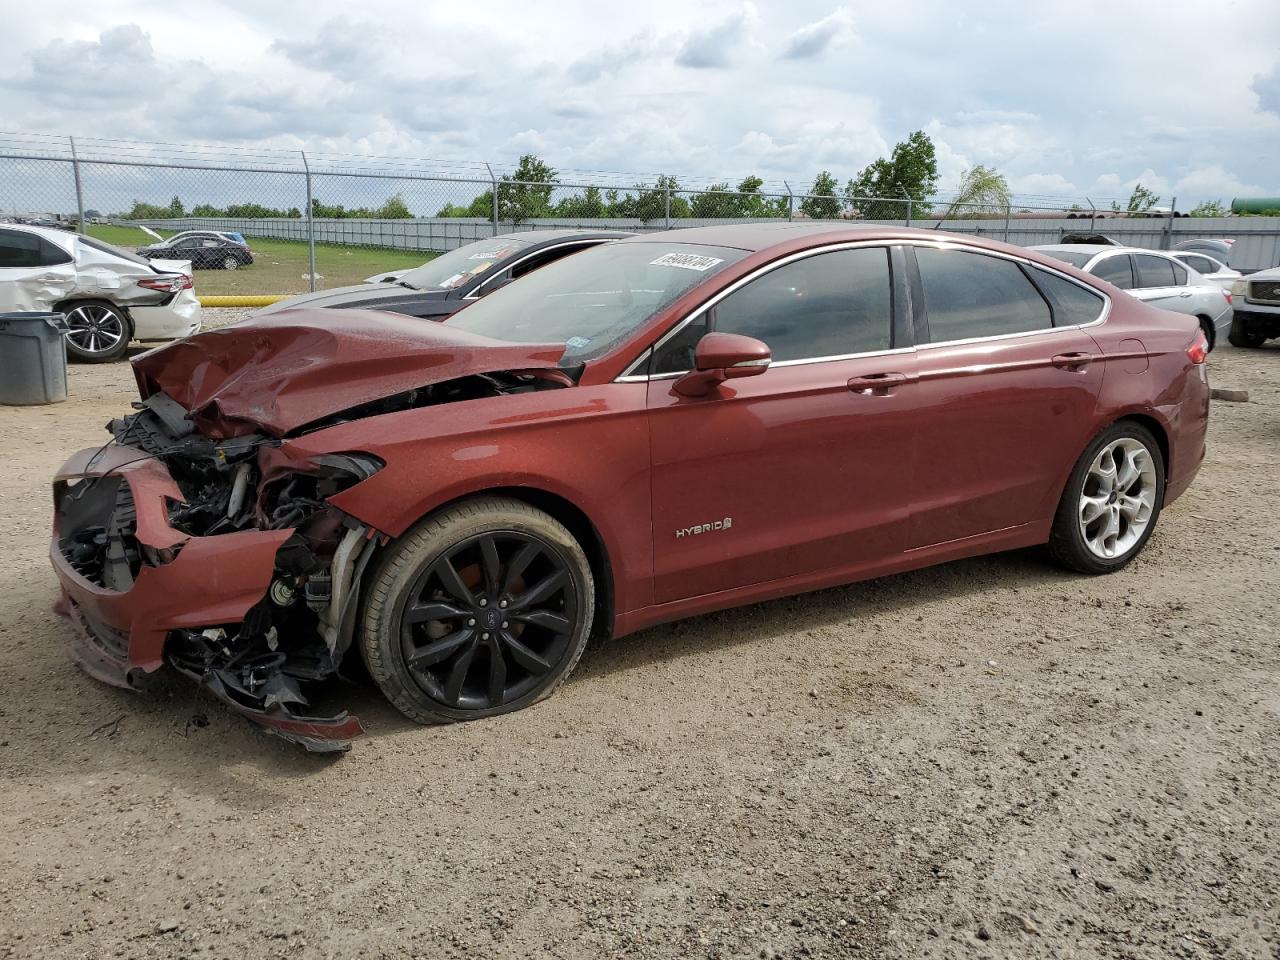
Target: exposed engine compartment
[(297, 634)]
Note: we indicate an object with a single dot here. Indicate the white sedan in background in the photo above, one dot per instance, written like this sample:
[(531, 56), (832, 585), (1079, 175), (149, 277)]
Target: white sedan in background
[(1154, 277), (109, 295), (1208, 267)]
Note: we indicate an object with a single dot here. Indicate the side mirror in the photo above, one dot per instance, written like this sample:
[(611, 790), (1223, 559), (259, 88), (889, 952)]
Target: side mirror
[(720, 357)]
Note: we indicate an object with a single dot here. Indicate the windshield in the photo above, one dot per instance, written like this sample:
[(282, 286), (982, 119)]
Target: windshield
[(1074, 257), (594, 299), (451, 270)]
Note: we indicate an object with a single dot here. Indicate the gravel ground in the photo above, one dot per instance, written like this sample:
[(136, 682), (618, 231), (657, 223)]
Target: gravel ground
[(986, 759)]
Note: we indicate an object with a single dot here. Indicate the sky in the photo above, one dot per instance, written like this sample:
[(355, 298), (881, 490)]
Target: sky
[(1080, 99)]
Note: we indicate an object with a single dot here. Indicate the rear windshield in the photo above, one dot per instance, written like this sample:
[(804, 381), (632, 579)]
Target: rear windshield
[(451, 270), (113, 250), (595, 299)]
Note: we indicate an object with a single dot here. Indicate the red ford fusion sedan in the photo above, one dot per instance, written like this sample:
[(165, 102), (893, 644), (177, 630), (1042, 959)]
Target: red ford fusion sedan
[(654, 428)]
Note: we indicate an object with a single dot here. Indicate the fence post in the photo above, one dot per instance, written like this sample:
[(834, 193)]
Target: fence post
[(791, 202), (1093, 215), (1008, 212), (75, 170), (494, 184), (311, 226), (907, 197), (1167, 239), (666, 205)]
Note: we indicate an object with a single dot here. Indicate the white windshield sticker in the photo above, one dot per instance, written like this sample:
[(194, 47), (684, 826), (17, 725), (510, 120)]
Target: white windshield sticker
[(577, 343), (686, 261)]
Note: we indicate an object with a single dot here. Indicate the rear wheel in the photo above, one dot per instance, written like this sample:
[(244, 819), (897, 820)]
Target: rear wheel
[(1241, 336), (230, 263), (483, 608), (1112, 501), (98, 331)]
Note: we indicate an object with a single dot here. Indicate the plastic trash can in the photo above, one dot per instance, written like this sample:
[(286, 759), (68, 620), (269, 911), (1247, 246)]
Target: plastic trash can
[(33, 358)]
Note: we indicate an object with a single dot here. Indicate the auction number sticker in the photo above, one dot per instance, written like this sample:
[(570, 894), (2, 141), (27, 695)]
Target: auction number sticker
[(686, 261)]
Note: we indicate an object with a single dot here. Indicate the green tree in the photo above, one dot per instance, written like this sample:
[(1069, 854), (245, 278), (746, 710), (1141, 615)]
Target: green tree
[(176, 208), (910, 171), (526, 194), (982, 190), (1209, 208), (587, 205), (822, 202), (394, 209), (1140, 201), (716, 201)]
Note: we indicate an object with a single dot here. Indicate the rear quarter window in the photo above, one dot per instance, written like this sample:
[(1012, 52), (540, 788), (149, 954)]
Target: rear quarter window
[(1115, 270), (1072, 303)]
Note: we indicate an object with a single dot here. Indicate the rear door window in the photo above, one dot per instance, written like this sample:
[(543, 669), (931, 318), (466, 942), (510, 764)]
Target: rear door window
[(1115, 270), (970, 295), (19, 249), (1154, 271)]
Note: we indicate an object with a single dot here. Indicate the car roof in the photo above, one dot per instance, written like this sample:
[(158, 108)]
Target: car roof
[(754, 237), (537, 237), (1093, 249)]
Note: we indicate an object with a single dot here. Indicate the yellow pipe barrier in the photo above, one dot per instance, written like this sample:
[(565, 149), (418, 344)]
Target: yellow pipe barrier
[(263, 300)]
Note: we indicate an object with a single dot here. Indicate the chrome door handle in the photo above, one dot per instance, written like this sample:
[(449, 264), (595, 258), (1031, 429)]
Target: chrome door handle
[(1072, 361), (1185, 293), (877, 384)]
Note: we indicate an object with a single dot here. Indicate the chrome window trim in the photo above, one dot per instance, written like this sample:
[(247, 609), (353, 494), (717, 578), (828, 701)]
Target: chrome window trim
[(475, 293), (628, 376)]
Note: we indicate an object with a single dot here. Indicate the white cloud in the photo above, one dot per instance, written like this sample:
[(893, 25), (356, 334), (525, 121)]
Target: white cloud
[(1267, 88), (814, 39), (718, 46)]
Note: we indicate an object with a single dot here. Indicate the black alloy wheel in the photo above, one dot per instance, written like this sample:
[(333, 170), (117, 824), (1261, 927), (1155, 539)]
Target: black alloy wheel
[(482, 609)]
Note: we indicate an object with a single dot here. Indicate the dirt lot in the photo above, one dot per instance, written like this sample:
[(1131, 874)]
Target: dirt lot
[(987, 759)]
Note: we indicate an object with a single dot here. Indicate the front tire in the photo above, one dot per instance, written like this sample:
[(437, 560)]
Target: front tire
[(1240, 335), (1111, 502), (481, 609), (230, 263), (99, 331)]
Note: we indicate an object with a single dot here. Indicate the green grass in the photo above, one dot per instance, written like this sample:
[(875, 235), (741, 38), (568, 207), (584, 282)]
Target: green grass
[(279, 266)]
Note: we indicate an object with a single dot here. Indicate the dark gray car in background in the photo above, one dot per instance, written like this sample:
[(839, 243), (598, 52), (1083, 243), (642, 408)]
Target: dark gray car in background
[(452, 280)]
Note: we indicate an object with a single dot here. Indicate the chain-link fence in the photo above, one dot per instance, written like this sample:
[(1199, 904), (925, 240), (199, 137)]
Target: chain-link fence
[(318, 221)]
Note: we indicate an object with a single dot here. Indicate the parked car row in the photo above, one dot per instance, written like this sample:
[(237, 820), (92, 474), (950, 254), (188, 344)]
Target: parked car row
[(653, 427)]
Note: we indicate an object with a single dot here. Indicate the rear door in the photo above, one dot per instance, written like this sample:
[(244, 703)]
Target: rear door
[(35, 273), (805, 467), (1006, 396)]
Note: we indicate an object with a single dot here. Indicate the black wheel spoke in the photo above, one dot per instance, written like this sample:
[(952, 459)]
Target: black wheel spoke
[(439, 650), (524, 656), (497, 675), (491, 565), (519, 564), (540, 591), (425, 610), (451, 582), (458, 676), (545, 618)]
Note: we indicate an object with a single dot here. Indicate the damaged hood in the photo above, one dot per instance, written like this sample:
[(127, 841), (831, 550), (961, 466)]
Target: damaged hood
[(280, 372)]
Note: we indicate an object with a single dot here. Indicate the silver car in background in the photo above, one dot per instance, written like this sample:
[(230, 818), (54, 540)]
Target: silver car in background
[(110, 296), (1208, 267), (1154, 277)]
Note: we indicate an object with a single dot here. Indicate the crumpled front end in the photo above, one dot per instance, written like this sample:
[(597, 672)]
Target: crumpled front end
[(221, 559)]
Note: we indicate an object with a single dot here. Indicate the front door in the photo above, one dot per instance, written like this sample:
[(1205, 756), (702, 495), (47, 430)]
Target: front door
[(35, 273), (803, 468)]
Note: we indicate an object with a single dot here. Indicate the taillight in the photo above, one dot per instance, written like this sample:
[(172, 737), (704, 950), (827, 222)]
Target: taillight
[(1227, 296), (168, 284), (1199, 348)]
